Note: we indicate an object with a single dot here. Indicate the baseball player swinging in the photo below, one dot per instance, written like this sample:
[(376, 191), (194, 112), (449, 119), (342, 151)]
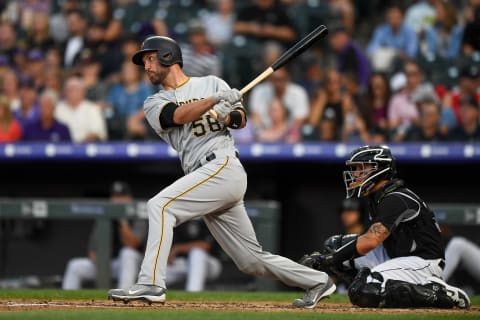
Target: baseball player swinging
[(214, 183), (400, 258)]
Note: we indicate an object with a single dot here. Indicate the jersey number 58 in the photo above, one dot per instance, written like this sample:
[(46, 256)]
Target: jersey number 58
[(206, 123)]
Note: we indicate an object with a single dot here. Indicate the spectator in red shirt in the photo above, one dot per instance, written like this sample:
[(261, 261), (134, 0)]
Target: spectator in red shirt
[(10, 130)]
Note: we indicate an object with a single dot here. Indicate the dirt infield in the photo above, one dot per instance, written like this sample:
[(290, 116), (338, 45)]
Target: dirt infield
[(257, 306)]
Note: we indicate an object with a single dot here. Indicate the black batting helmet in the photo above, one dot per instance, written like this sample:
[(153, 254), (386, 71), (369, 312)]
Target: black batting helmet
[(168, 51), (360, 180)]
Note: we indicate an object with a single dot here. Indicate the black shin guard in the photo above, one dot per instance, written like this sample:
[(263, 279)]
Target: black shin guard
[(363, 294), (401, 294)]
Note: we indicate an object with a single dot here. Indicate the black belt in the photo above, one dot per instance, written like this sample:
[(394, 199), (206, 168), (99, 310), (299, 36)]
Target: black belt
[(211, 156)]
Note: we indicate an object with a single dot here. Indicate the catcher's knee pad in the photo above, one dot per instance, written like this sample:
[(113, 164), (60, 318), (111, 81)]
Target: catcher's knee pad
[(366, 294), (402, 294)]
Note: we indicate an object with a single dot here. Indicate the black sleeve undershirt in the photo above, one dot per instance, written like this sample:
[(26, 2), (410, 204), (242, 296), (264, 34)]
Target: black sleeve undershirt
[(166, 116)]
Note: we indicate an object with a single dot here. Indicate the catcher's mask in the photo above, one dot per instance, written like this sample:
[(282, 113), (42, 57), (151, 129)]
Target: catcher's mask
[(366, 167)]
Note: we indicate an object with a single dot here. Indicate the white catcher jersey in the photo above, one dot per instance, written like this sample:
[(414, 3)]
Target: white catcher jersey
[(192, 140)]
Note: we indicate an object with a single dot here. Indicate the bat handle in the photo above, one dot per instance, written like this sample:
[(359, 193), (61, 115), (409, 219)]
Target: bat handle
[(262, 76), (249, 86)]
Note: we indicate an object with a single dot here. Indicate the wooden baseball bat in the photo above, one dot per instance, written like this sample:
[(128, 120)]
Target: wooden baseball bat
[(293, 52)]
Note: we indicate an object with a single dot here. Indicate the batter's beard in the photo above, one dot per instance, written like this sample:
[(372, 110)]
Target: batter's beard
[(156, 78)]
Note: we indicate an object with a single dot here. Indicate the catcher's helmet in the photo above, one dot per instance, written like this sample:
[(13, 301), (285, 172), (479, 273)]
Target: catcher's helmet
[(360, 180), (168, 51)]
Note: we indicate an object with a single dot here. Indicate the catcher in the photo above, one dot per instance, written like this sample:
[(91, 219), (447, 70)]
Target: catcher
[(398, 261)]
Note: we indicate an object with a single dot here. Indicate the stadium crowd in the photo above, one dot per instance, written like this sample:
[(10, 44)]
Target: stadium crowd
[(407, 71)]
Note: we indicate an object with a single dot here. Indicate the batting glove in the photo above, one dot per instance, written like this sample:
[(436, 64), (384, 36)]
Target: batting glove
[(223, 109), (231, 96)]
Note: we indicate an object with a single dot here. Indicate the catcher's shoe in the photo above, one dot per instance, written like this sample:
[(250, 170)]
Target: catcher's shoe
[(150, 294), (459, 297), (315, 294)]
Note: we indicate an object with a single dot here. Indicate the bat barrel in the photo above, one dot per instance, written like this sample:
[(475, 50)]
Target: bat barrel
[(299, 47)]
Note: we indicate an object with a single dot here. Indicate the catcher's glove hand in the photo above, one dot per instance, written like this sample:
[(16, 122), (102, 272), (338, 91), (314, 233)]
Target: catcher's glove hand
[(324, 262), (317, 261)]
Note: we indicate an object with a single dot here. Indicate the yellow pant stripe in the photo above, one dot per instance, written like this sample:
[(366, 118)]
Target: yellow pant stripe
[(173, 199)]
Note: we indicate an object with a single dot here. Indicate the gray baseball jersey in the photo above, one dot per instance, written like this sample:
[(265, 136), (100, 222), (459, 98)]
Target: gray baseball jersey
[(192, 140), (213, 188)]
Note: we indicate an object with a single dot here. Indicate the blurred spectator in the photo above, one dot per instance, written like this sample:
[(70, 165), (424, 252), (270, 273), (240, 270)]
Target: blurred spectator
[(326, 130), (354, 129), (58, 24), (53, 79), (402, 111), (352, 216), (329, 104), (8, 38), (83, 118), (47, 128), (89, 69), (199, 58), (471, 35), (103, 37), (346, 12), (279, 129), (392, 39), (426, 93), (469, 128), (77, 27), (428, 128), (10, 129), (36, 68), (219, 24), (265, 20), (293, 97), (311, 76), (38, 36), (29, 111), (25, 11), (443, 38), (124, 268), (375, 106), (10, 88), (126, 100), (468, 85), (350, 57), (101, 13), (191, 257), (421, 15), (130, 45)]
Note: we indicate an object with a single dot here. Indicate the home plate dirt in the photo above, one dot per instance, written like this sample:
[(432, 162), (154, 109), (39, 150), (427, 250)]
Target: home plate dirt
[(257, 306)]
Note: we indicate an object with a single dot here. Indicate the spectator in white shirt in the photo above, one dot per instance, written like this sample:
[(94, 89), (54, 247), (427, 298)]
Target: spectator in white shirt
[(293, 96), (83, 117)]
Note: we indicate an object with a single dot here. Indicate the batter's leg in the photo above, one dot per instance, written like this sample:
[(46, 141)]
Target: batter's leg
[(234, 232), (211, 188)]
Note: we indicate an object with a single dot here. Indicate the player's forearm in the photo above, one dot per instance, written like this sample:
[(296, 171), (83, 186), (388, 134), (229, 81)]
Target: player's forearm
[(190, 112), (376, 234)]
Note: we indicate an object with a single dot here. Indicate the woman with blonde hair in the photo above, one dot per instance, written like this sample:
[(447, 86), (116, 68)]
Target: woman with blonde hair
[(10, 129)]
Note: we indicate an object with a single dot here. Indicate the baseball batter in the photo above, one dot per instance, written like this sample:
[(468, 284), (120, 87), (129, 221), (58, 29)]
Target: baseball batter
[(400, 258), (214, 183)]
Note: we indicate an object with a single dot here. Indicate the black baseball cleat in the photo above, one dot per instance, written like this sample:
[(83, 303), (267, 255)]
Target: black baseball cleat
[(150, 294), (458, 296), (315, 294)]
